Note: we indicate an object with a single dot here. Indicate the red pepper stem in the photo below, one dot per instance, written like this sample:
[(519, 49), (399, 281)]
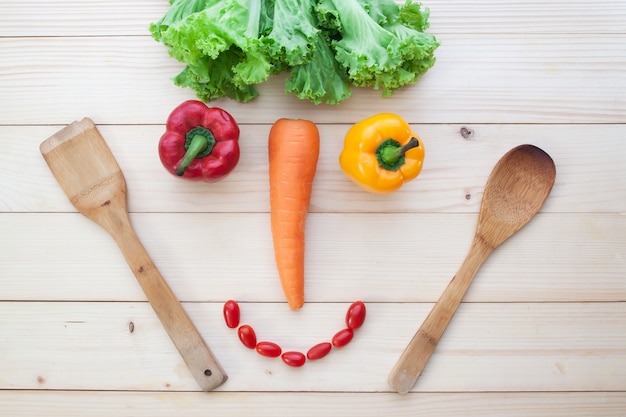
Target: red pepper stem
[(199, 143)]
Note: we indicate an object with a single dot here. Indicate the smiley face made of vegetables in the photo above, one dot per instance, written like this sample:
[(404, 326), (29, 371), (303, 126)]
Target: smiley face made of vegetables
[(355, 317), (380, 154)]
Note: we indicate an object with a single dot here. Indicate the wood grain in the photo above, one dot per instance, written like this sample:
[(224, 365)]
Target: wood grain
[(131, 18), (593, 176), (514, 347), (201, 265), (161, 404), (480, 78)]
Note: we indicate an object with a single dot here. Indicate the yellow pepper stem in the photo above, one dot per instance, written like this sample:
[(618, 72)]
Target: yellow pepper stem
[(390, 153)]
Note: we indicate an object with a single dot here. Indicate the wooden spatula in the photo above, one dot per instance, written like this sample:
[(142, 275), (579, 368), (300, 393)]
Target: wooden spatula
[(84, 166)]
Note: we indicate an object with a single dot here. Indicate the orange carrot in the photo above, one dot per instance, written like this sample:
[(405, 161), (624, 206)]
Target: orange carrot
[(294, 146)]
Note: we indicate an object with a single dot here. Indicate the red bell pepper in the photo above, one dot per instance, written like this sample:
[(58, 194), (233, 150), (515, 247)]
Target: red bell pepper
[(200, 143)]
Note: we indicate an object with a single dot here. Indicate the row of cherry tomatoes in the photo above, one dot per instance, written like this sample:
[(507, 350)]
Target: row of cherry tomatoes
[(355, 316)]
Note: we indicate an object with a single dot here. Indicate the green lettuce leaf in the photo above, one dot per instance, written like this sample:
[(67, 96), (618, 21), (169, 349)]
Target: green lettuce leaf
[(326, 46)]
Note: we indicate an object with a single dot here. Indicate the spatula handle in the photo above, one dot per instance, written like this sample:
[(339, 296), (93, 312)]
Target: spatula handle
[(192, 347), (413, 360)]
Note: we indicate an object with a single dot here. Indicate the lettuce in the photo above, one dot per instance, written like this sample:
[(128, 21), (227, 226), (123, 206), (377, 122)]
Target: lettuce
[(221, 45), (326, 46), (294, 32), (321, 79)]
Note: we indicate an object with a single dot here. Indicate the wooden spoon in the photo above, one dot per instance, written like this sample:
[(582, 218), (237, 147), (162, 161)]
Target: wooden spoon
[(515, 191), (87, 171)]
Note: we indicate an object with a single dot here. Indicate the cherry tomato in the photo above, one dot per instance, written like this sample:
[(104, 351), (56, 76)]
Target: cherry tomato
[(247, 336), (295, 359), (319, 351), (269, 349), (231, 314), (342, 337), (355, 315)]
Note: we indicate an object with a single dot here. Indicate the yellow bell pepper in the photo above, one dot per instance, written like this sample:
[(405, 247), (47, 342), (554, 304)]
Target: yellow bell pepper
[(381, 153)]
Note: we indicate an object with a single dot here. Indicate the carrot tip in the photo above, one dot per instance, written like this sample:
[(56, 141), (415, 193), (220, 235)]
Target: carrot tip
[(296, 305)]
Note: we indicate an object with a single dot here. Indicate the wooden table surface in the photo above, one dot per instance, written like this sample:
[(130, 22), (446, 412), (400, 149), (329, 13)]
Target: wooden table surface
[(542, 331)]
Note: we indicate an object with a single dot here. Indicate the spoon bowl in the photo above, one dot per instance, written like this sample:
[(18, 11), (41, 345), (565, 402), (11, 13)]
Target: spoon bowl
[(518, 186)]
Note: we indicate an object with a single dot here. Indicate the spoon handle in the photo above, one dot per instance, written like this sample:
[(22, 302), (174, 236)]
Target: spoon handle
[(178, 325), (408, 368)]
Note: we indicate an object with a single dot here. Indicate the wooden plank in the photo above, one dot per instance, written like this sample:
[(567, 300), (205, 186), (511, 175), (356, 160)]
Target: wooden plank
[(479, 78), (96, 18), (499, 347), (534, 16), (161, 404), (591, 177), (375, 257), (84, 18)]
